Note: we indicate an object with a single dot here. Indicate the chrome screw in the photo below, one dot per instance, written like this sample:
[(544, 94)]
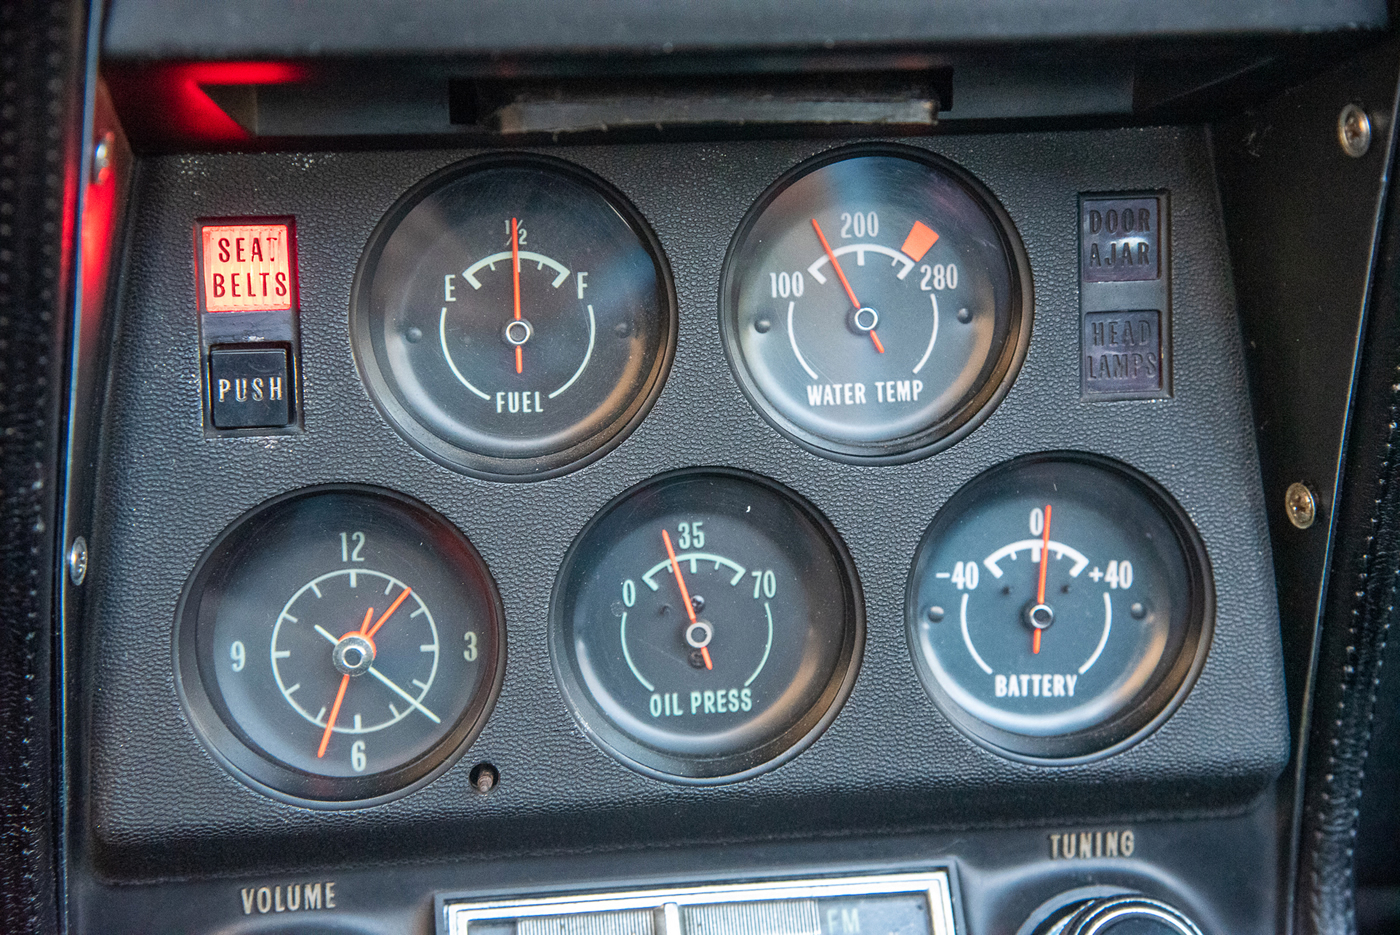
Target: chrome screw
[(102, 157), (1354, 131), (78, 561), (1300, 504)]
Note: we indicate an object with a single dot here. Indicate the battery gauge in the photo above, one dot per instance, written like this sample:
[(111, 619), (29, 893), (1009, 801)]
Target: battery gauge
[(1059, 606)]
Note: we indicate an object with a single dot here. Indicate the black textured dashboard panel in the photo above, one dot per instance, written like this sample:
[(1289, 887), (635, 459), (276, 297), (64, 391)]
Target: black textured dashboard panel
[(190, 28), (158, 805)]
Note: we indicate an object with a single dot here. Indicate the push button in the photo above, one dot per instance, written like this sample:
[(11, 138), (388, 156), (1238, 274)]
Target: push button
[(249, 387)]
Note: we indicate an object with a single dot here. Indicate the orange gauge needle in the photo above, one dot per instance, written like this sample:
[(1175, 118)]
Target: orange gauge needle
[(340, 695), (676, 570), (1044, 563), (403, 595), (515, 280), (845, 283), (685, 593)]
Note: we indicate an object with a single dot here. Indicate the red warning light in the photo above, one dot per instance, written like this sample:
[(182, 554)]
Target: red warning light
[(247, 267)]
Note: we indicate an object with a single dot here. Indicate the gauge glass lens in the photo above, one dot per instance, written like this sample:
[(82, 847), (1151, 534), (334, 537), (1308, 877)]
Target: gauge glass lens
[(513, 316), (1057, 605), (340, 644), (876, 303), (706, 625)]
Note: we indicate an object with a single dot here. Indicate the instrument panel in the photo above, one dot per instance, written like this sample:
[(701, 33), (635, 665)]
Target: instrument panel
[(730, 487)]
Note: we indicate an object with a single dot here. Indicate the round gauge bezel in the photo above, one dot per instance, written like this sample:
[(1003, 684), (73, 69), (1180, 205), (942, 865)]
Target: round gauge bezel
[(238, 753), (1155, 703), (422, 437), (957, 424), (708, 771)]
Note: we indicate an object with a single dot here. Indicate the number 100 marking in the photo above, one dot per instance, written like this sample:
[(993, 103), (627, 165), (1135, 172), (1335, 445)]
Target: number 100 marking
[(787, 284)]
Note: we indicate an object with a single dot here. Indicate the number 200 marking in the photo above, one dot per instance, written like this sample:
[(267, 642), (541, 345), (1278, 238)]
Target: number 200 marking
[(860, 224)]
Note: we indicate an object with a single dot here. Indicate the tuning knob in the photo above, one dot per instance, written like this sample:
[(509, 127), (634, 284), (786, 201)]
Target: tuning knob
[(1118, 915)]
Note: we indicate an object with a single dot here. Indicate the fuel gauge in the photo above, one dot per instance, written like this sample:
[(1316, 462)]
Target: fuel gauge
[(513, 317)]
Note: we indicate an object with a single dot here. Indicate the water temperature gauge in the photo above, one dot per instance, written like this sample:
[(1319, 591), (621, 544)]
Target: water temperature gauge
[(706, 626), (876, 303), (1059, 605), (513, 317)]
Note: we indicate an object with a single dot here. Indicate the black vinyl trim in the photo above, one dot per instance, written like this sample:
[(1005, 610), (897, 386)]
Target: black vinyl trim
[(42, 47), (1358, 610)]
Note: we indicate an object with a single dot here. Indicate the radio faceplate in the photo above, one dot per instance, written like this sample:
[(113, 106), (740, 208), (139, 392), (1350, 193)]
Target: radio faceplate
[(906, 903)]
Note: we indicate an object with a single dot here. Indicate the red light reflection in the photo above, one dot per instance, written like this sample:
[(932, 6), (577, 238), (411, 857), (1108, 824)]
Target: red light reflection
[(172, 98)]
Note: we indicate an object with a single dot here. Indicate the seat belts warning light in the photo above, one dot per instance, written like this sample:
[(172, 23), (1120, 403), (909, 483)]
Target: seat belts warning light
[(246, 267)]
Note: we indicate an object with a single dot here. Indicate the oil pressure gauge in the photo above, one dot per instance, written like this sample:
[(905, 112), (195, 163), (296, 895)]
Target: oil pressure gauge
[(1059, 605), (513, 317), (876, 304), (706, 626)]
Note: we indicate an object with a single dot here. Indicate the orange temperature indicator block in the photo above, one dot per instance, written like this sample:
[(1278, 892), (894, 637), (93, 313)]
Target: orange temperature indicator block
[(246, 268), (920, 238)]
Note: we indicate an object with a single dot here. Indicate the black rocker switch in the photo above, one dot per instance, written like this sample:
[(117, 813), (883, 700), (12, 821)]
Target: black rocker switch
[(250, 387)]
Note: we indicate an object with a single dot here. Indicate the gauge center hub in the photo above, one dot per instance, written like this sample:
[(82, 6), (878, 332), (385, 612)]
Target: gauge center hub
[(519, 331), (1040, 616), (353, 654), (699, 634), (867, 318)]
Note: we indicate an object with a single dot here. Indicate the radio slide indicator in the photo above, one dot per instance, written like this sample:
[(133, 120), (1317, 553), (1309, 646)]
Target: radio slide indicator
[(908, 903)]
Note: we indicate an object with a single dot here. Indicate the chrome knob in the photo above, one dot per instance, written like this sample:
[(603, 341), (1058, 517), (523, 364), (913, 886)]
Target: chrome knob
[(1128, 914)]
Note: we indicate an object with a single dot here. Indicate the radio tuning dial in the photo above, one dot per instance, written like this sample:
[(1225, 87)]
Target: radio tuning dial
[(1127, 914)]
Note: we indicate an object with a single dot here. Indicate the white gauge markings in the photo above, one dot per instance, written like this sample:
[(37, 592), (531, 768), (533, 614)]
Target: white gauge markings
[(284, 656)]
